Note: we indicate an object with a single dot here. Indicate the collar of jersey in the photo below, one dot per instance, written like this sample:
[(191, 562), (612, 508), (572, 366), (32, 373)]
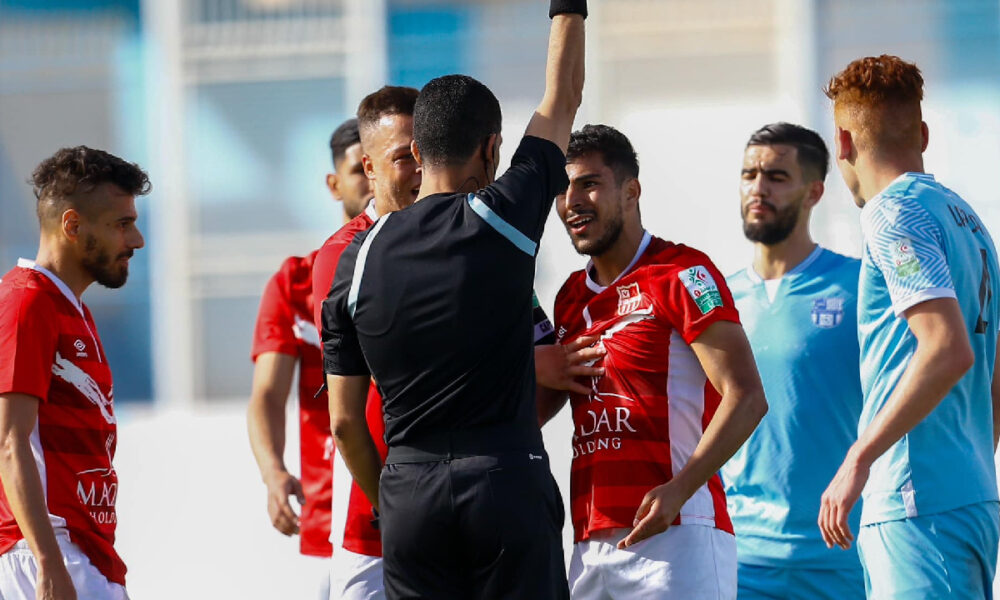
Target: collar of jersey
[(881, 196), (802, 266), (24, 263), (596, 287), (370, 210)]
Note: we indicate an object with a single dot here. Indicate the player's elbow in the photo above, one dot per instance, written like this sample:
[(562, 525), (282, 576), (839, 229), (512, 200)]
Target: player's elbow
[(345, 428), (756, 405), (958, 358)]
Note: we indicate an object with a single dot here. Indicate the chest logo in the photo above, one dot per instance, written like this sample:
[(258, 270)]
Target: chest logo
[(827, 313), (904, 258), (306, 331), (629, 298), (81, 348), (702, 287)]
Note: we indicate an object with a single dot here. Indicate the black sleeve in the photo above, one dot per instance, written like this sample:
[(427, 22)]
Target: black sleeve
[(523, 195), (545, 334), (342, 353)]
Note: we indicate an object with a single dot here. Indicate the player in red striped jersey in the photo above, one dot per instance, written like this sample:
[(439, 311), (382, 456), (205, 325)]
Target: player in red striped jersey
[(680, 393), (283, 336), (58, 430)]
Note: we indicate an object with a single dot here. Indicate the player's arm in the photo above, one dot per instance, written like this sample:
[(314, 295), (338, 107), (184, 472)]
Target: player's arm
[(995, 392), (553, 119), (22, 484), (557, 367), (943, 355), (724, 353), (272, 381), (348, 397)]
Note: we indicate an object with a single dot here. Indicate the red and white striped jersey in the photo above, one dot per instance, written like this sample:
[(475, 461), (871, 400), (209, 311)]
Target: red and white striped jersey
[(644, 417), (49, 349)]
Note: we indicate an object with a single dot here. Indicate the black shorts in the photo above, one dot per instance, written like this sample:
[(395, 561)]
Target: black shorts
[(478, 527)]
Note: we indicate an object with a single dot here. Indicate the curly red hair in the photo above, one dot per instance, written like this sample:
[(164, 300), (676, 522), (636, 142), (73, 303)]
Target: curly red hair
[(878, 97)]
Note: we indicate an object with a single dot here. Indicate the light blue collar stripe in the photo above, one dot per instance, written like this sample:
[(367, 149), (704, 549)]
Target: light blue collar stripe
[(502, 227), (359, 266)]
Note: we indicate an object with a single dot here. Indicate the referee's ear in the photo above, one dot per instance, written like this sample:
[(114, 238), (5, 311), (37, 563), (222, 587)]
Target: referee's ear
[(416, 152)]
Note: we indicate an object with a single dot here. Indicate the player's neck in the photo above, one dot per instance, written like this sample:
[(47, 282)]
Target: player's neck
[(879, 173), (775, 260), (610, 264), (450, 180), (65, 267)]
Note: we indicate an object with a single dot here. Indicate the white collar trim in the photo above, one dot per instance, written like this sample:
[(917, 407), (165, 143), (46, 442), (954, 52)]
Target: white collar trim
[(598, 288), (25, 263), (370, 210)]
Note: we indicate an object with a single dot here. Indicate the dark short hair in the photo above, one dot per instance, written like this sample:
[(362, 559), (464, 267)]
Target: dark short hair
[(812, 152), (454, 115), (388, 100), (343, 138), (615, 149), (74, 171)]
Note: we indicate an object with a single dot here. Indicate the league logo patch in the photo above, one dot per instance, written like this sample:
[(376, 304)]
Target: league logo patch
[(629, 298), (827, 313), (701, 286), (904, 258)]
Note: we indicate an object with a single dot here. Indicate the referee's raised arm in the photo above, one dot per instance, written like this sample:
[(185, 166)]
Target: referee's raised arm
[(553, 119)]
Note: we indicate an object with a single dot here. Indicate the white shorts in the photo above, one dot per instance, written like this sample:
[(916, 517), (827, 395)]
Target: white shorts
[(686, 562), (19, 573), (355, 576)]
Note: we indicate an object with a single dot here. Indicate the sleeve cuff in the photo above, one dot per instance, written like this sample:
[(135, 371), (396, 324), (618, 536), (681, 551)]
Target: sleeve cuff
[(922, 296)]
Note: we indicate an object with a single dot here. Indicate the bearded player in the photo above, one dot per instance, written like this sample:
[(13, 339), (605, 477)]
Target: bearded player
[(58, 429), (680, 393), (927, 318), (283, 336), (798, 302)]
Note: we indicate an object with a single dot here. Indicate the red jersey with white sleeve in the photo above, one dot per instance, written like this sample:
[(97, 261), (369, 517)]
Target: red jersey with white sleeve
[(643, 418), (49, 349), (353, 525), (284, 325)]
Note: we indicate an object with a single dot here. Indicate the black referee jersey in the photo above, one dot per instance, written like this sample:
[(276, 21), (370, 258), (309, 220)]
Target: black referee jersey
[(435, 302)]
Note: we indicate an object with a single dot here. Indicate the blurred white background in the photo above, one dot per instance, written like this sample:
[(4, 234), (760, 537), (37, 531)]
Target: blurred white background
[(229, 105)]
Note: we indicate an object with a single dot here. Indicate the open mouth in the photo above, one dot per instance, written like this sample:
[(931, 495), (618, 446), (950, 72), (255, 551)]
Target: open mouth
[(578, 224)]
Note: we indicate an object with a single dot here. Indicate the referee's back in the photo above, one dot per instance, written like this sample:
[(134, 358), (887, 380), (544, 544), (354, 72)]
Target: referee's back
[(439, 295)]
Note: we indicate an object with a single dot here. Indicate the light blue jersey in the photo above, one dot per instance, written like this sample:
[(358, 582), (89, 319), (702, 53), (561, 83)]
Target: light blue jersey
[(922, 241), (805, 343)]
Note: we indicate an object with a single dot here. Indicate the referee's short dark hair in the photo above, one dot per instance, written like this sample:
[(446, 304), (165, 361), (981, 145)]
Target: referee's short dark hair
[(615, 149), (454, 116), (388, 100), (812, 152), (343, 138)]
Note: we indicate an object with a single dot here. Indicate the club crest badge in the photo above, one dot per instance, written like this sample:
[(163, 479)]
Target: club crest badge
[(629, 298), (827, 313)]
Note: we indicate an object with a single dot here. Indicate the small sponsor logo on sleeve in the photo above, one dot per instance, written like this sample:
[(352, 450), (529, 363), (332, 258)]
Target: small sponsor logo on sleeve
[(904, 258), (702, 287)]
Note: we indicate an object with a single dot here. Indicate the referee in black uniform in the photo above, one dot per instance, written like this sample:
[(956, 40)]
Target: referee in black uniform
[(435, 302)]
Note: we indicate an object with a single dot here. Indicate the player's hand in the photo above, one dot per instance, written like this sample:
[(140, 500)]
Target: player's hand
[(558, 365), (54, 583), (838, 500), (280, 486), (658, 509)]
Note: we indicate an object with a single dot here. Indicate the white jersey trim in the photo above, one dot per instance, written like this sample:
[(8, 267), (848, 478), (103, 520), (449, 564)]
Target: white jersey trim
[(359, 265), (341, 502), (922, 296), (598, 288), (686, 409)]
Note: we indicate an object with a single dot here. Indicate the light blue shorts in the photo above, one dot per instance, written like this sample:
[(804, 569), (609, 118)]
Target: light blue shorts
[(757, 582), (945, 555)]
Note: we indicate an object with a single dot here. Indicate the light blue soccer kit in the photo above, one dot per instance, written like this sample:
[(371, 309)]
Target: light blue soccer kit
[(930, 522), (805, 343)]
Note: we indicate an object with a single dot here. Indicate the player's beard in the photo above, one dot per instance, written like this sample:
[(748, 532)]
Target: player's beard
[(778, 229), (99, 265), (612, 231)]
